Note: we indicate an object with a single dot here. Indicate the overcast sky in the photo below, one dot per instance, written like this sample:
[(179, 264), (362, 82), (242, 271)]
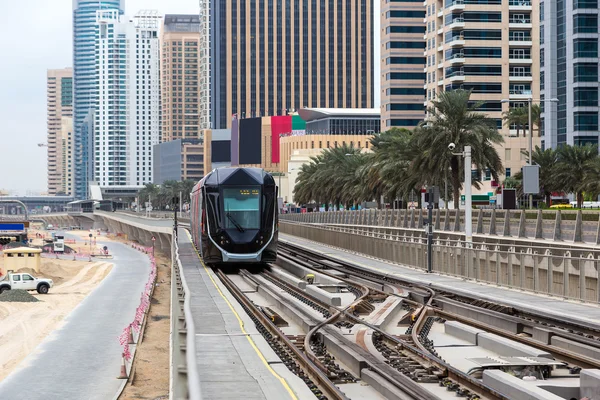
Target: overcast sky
[(36, 36)]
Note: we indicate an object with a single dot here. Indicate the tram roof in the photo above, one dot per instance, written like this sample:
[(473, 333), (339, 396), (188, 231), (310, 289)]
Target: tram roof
[(238, 176)]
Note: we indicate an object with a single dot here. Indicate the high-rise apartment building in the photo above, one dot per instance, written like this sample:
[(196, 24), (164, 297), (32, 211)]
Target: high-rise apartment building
[(181, 75), (402, 63), (84, 85), (569, 72), (127, 111), (269, 57), (65, 143), (59, 92), (180, 41), (491, 48)]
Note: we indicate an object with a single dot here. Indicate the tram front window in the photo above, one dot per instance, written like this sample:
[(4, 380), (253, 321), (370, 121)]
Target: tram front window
[(242, 208)]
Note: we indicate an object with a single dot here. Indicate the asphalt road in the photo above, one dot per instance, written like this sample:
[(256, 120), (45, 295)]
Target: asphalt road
[(82, 359)]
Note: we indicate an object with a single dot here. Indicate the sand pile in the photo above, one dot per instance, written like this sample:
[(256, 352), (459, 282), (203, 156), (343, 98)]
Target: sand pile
[(17, 296)]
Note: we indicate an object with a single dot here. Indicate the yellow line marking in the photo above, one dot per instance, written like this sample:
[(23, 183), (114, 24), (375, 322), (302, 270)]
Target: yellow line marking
[(260, 355)]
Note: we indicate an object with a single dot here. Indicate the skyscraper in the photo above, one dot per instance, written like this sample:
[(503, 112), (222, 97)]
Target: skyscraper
[(491, 51), (268, 56), (127, 111), (84, 64), (181, 75), (402, 63), (180, 70), (59, 84), (569, 72)]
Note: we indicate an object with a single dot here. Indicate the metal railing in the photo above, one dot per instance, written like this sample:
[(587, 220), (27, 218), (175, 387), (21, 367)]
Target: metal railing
[(518, 38), (455, 2), (519, 91), (519, 21), (528, 268), (521, 3), (185, 380)]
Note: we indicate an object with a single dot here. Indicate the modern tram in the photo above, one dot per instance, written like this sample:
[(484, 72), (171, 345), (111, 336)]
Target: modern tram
[(234, 216)]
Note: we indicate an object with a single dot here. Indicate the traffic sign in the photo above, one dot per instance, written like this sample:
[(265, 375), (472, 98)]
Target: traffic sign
[(153, 238)]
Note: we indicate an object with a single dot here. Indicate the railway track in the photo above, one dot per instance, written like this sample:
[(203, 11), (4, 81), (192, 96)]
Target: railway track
[(312, 356), (409, 359), (502, 320)]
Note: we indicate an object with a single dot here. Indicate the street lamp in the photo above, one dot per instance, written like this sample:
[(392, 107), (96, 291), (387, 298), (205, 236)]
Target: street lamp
[(466, 153), (530, 102)]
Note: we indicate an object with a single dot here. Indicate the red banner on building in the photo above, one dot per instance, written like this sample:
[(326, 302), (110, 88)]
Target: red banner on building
[(280, 126)]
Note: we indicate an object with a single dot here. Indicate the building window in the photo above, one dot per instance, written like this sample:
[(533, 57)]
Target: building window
[(586, 97), (507, 172), (586, 121), (586, 72), (585, 48), (585, 23)]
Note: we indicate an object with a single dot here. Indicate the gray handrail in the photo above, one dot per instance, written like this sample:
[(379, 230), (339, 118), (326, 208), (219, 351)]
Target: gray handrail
[(193, 378)]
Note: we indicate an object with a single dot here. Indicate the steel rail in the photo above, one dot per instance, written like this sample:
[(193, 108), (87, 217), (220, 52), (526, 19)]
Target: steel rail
[(322, 381), (406, 385), (451, 372)]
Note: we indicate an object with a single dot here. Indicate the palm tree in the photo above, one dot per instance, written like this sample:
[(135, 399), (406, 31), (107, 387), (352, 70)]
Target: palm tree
[(516, 116), (149, 193), (186, 186), (454, 119), (572, 167), (389, 170), (306, 189), (591, 179)]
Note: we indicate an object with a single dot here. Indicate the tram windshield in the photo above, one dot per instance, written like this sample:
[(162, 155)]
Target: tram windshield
[(242, 207)]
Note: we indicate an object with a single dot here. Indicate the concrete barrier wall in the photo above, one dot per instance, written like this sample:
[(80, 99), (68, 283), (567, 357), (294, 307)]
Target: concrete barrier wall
[(571, 274), (576, 226)]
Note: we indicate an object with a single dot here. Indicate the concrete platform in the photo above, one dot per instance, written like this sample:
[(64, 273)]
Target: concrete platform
[(565, 310), (233, 362)]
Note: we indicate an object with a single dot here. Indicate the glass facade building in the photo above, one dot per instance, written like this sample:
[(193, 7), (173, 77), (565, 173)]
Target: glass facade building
[(569, 72), (84, 83), (270, 57), (331, 121)]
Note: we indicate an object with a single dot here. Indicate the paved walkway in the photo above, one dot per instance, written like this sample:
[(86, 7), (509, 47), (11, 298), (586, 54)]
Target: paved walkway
[(82, 359), (229, 364), (571, 311)]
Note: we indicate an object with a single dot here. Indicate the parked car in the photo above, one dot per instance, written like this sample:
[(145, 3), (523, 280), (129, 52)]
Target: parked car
[(25, 282)]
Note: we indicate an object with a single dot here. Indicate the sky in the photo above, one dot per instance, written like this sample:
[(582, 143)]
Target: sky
[(36, 35)]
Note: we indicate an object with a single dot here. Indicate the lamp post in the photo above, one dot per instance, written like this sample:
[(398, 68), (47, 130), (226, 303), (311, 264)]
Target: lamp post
[(530, 122), (466, 153), (90, 235)]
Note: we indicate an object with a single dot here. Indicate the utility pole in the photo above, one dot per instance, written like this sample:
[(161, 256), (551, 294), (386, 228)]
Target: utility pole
[(429, 227), (468, 198), (530, 101)]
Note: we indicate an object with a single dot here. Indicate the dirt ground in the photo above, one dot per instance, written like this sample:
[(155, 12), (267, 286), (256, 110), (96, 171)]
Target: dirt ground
[(151, 365), (24, 325)]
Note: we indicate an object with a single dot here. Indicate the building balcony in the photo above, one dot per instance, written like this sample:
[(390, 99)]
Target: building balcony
[(520, 41), (519, 23), (519, 59), (519, 94), (456, 23), (440, 47), (458, 58), (519, 5), (520, 77), (440, 13), (456, 76), (441, 82), (456, 5), (456, 41)]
